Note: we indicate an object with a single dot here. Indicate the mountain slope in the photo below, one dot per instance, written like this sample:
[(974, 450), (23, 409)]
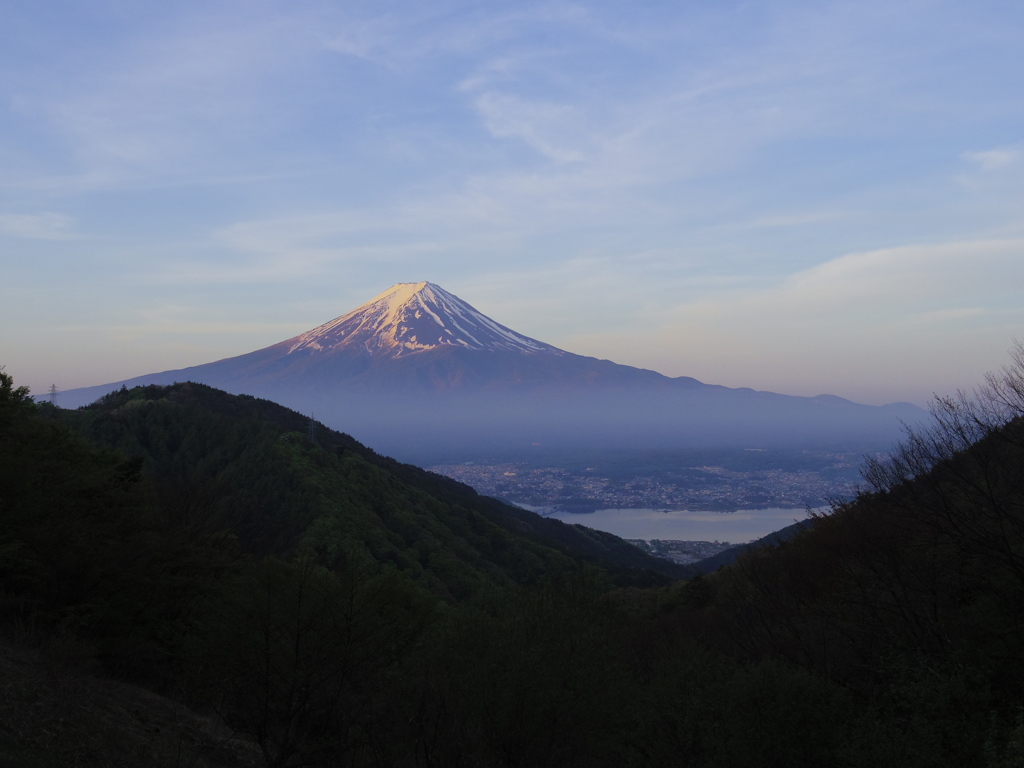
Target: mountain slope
[(420, 374), (254, 463), (414, 337)]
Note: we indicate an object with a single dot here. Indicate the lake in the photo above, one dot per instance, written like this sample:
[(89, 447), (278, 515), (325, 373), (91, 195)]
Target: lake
[(735, 527)]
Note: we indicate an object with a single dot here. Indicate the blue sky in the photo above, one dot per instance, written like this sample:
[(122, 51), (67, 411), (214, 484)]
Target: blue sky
[(805, 197)]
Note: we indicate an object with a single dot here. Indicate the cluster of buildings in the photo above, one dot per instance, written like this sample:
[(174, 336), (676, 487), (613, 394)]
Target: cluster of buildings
[(701, 488)]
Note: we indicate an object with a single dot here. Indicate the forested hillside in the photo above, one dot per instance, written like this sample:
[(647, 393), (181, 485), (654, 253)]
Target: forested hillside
[(311, 603), (254, 466)]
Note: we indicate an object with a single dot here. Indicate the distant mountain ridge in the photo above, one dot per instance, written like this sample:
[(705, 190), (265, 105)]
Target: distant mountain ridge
[(421, 374)]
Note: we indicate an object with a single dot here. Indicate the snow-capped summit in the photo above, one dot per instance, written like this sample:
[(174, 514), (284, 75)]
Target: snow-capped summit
[(412, 317), (420, 373)]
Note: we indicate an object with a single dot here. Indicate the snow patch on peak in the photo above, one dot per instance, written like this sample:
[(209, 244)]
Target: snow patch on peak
[(411, 317)]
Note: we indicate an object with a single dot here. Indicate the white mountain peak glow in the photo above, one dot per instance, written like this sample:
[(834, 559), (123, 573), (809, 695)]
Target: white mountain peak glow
[(412, 317)]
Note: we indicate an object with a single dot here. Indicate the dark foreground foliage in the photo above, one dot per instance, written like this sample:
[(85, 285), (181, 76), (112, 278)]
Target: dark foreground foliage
[(220, 591)]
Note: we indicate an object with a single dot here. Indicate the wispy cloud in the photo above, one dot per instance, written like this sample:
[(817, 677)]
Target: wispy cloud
[(797, 219), (899, 308), (38, 226), (543, 126), (994, 159), (154, 101)]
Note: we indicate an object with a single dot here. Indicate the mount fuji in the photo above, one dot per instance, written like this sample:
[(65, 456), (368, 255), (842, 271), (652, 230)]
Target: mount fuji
[(418, 373)]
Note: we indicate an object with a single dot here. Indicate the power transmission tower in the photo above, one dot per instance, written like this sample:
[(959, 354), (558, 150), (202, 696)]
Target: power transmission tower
[(311, 430), (54, 392)]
